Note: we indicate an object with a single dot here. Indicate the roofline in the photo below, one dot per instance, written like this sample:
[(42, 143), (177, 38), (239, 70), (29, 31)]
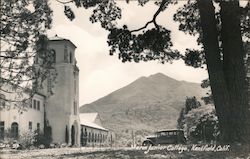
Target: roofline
[(25, 90), (94, 127), (63, 40)]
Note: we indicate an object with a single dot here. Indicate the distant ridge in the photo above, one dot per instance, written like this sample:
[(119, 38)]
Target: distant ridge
[(146, 105)]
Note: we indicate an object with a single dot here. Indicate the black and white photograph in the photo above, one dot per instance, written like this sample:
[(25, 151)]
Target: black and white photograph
[(125, 79)]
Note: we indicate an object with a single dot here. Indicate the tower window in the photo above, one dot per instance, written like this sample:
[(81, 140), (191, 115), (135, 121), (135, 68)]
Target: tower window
[(65, 54), (75, 108), (38, 105), (70, 57), (75, 85), (34, 104)]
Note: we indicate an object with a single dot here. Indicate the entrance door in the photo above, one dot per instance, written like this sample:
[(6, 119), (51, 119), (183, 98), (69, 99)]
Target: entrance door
[(72, 135)]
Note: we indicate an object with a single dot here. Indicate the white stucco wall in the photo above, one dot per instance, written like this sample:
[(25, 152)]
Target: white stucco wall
[(60, 105), (11, 114)]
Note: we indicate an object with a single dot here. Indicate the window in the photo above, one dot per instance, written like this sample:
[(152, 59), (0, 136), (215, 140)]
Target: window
[(14, 130), (75, 85), (30, 125), (75, 108), (1, 129), (89, 137), (2, 100), (38, 105), (34, 104), (70, 57), (66, 54), (38, 127)]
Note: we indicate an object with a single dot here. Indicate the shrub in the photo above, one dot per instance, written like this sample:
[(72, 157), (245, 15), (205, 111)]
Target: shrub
[(41, 139), (27, 139)]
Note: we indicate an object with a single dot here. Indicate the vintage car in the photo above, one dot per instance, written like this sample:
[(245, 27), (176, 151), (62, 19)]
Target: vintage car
[(165, 137)]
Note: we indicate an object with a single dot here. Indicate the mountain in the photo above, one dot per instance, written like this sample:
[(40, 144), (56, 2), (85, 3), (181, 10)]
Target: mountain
[(146, 105)]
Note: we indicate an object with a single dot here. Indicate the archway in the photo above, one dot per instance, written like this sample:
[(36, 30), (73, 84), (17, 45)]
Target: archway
[(72, 135), (14, 130)]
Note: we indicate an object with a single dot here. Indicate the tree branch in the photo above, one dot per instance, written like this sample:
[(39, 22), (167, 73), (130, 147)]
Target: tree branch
[(154, 18), (65, 2)]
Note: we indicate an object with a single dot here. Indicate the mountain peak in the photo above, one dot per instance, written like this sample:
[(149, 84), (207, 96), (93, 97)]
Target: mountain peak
[(158, 75), (150, 103)]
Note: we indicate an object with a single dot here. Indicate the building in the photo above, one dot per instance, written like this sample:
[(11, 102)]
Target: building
[(59, 110), (14, 121), (62, 108), (92, 131)]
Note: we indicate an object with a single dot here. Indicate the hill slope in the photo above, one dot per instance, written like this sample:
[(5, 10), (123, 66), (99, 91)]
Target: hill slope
[(144, 106)]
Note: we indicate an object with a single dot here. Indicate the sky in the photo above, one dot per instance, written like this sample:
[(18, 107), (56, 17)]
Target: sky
[(100, 73)]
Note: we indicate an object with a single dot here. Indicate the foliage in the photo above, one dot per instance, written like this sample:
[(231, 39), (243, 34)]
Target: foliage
[(27, 139), (213, 23), (201, 124), (42, 139), (23, 26), (191, 103)]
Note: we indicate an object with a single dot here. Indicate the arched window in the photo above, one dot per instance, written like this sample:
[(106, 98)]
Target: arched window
[(14, 130), (2, 100), (93, 137), (89, 137), (86, 133), (70, 57)]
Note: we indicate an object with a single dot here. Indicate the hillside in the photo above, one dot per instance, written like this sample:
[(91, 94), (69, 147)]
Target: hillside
[(146, 105)]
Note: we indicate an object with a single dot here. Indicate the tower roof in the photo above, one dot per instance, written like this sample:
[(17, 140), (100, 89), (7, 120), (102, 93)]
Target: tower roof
[(57, 38)]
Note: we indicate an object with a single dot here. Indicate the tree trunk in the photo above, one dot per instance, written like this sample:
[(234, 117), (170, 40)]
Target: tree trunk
[(234, 71), (214, 65)]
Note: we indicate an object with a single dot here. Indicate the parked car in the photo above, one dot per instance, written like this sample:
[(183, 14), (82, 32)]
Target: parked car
[(165, 137)]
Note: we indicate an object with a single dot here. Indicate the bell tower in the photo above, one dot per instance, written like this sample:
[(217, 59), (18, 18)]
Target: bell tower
[(62, 108)]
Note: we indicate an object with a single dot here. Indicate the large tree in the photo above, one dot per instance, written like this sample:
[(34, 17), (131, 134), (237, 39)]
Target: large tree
[(220, 27), (23, 42)]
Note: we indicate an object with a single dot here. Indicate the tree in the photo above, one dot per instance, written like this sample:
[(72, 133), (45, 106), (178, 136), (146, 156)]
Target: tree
[(23, 42), (201, 124), (219, 33), (191, 103)]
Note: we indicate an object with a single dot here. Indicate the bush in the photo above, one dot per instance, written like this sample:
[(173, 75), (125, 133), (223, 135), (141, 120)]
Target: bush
[(27, 139), (41, 139)]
